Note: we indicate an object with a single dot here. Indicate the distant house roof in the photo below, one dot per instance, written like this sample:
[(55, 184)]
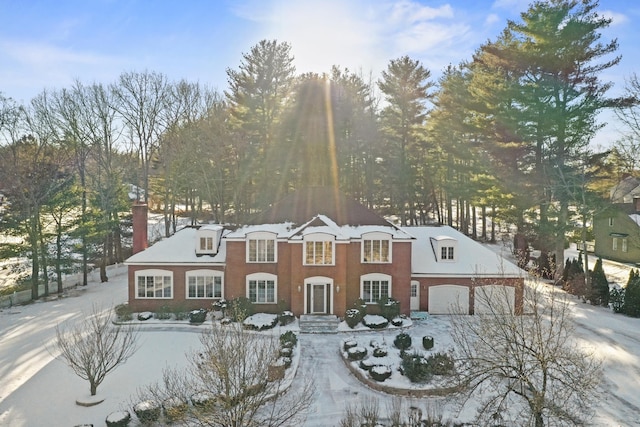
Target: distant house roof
[(302, 205), (626, 190)]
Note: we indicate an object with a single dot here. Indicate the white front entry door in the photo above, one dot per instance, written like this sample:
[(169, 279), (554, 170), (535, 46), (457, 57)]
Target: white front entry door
[(414, 304)]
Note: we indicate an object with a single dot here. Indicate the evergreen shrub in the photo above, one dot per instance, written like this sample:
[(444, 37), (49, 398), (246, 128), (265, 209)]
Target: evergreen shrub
[(402, 341)]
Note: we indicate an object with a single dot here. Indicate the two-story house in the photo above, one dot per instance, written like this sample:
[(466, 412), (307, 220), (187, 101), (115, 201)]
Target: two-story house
[(317, 252)]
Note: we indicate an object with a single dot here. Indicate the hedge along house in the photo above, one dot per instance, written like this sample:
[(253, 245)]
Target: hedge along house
[(317, 252)]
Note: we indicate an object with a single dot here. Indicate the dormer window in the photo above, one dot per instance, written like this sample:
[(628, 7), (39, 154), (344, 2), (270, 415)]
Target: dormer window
[(208, 237), (445, 248)]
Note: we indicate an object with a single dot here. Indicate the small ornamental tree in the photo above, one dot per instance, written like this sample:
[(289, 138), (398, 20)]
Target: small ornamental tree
[(632, 295), (94, 347), (599, 285)]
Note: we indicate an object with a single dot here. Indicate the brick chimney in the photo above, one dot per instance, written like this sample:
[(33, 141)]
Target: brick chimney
[(140, 238)]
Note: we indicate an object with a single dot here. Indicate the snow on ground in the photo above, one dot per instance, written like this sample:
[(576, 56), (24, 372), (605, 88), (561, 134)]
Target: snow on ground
[(37, 390)]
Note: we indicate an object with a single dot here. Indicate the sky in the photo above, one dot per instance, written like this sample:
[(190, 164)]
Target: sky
[(47, 44)]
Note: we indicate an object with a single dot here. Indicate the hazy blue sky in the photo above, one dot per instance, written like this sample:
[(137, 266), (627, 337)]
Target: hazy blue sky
[(46, 44)]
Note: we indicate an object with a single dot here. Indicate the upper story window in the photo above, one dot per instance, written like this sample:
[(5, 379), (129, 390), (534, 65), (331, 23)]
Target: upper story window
[(154, 284), (204, 284), (610, 221), (261, 247), (447, 252), (318, 249), (376, 248), (206, 243), (625, 245), (445, 248)]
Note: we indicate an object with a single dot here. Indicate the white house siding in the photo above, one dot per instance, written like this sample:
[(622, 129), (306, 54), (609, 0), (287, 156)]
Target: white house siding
[(447, 299)]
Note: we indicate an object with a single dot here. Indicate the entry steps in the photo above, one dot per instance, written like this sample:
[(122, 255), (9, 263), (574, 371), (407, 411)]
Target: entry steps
[(319, 324)]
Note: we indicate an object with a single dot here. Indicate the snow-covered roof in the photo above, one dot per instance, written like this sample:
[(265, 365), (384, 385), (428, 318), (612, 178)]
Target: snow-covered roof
[(319, 224), (178, 249), (635, 218), (472, 258)]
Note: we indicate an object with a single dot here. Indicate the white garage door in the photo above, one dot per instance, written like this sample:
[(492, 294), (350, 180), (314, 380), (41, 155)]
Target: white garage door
[(494, 299), (446, 299)]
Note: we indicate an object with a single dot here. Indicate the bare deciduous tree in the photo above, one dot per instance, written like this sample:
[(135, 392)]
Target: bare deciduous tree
[(527, 369), (94, 347), (230, 382)]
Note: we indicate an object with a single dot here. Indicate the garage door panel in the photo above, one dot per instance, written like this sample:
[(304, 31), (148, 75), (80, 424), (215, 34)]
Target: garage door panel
[(447, 299)]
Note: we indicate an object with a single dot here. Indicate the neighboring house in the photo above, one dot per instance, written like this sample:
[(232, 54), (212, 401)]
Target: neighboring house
[(617, 232), (317, 252)]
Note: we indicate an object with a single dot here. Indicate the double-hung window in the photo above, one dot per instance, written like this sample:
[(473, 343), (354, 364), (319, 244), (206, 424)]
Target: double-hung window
[(204, 284), (374, 287), (206, 243), (318, 249), (261, 247), (447, 252), (154, 284), (262, 288), (376, 248)]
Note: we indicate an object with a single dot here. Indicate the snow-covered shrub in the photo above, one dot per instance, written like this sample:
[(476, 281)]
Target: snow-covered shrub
[(240, 308), (616, 299), (220, 305), (349, 344), (402, 341), (118, 419), (367, 364), (415, 367), (397, 321), (374, 321), (389, 308), (440, 363), (380, 373), (163, 313), (380, 352), (285, 351), (427, 342), (353, 317), (260, 321), (174, 409), (147, 411), (288, 339), (198, 316), (145, 315), (123, 312), (356, 353), (286, 317)]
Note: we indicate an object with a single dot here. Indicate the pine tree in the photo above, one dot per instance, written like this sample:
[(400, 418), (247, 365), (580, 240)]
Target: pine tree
[(599, 286), (632, 295)]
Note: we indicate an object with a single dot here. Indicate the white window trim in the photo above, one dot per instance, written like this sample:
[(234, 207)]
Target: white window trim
[(367, 237), (614, 245), (263, 276), (376, 277), (318, 237), (203, 272), (262, 235), (155, 272), (610, 221), (625, 245)]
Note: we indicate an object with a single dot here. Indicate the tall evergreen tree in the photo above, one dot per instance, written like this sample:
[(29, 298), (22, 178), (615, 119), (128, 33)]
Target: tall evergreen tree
[(632, 295), (405, 85), (599, 285)]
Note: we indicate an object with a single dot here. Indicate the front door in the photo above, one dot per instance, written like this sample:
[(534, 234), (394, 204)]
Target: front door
[(415, 296), (318, 296)]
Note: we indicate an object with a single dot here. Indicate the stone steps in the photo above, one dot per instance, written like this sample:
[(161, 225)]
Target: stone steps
[(319, 324)]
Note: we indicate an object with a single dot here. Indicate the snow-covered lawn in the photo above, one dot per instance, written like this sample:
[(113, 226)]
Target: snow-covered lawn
[(36, 389)]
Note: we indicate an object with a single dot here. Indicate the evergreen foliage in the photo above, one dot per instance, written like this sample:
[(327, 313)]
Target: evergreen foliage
[(632, 295), (599, 286)]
